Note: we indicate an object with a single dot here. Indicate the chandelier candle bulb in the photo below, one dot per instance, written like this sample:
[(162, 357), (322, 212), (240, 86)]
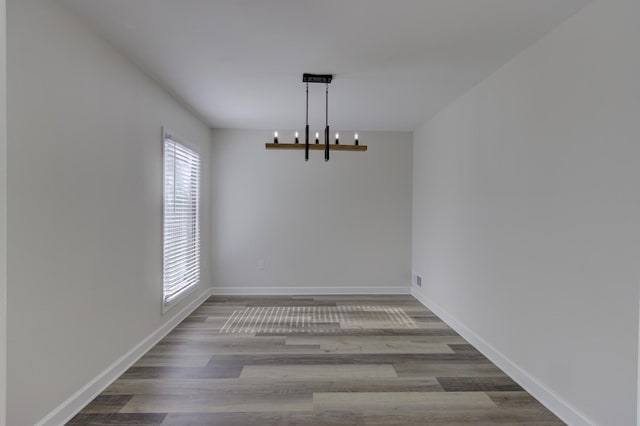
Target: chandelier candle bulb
[(337, 139), (275, 137), (356, 138), (297, 138), (317, 137)]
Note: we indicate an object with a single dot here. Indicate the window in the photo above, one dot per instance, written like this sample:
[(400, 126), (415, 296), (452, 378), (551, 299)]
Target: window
[(181, 219)]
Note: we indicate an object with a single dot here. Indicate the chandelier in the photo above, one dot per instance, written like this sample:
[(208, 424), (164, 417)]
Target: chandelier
[(327, 147)]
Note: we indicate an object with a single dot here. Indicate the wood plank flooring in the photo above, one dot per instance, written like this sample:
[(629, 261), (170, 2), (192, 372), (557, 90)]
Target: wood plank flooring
[(323, 360)]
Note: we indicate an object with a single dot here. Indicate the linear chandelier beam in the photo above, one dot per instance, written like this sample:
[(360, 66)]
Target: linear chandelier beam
[(313, 147)]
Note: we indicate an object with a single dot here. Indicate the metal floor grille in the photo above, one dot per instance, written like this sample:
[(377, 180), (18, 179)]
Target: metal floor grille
[(317, 319)]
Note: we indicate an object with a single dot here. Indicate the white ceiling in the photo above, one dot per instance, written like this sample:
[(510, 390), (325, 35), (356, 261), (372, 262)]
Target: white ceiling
[(239, 63)]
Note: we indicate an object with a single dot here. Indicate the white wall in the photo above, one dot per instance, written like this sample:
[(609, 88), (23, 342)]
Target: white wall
[(337, 226), (84, 205), (526, 209), (3, 211)]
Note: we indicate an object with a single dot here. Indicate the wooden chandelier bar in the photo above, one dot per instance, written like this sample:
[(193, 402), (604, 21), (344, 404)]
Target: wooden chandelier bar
[(316, 147)]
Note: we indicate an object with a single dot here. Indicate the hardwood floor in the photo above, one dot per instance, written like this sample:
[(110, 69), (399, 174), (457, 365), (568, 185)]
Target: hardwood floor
[(324, 360)]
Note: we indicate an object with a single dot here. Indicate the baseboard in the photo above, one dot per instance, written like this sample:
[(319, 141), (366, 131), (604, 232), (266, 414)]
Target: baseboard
[(306, 291), (69, 408), (546, 396)]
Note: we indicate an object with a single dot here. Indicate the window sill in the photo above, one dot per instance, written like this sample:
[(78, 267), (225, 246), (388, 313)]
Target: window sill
[(167, 306)]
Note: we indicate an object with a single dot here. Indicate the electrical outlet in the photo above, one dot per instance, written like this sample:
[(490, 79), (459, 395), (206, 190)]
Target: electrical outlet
[(418, 280)]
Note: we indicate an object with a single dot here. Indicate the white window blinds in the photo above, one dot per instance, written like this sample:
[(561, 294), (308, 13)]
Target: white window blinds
[(181, 218)]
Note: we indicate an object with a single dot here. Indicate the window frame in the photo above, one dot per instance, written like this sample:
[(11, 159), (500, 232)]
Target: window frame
[(168, 134)]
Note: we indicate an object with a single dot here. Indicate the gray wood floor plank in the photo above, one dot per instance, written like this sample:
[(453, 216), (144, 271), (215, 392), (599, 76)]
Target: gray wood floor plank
[(312, 372), (129, 387), (384, 402), (266, 419), (218, 403)]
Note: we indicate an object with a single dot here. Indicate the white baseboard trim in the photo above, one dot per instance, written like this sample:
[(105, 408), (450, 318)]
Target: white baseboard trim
[(565, 411), (307, 291), (69, 408)]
